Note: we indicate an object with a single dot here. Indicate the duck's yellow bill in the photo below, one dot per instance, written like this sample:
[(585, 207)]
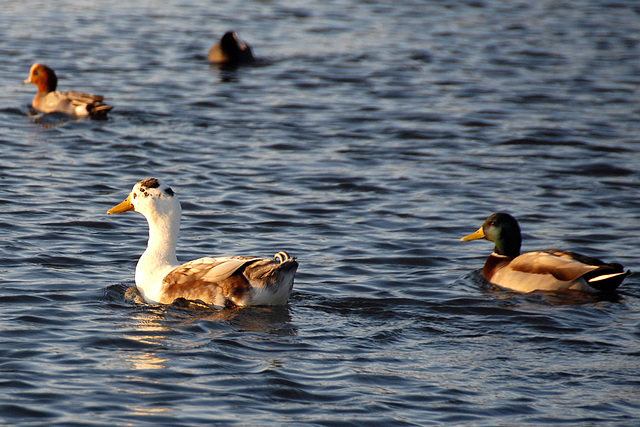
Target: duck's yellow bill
[(474, 236), (122, 207)]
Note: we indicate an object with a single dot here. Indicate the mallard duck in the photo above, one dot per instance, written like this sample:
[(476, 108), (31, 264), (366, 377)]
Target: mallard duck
[(230, 50), (235, 281), (73, 102), (540, 270)]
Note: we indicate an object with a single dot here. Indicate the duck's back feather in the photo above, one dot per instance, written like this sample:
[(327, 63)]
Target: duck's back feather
[(79, 97)]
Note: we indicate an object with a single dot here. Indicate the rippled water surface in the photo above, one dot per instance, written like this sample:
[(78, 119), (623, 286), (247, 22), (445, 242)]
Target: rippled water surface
[(368, 139)]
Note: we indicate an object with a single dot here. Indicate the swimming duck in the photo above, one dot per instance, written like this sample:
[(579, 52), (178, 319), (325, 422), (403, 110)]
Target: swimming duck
[(73, 102), (235, 281), (230, 50), (541, 270)]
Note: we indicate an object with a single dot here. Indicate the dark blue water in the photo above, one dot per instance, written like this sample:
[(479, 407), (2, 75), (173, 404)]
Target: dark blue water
[(368, 139)]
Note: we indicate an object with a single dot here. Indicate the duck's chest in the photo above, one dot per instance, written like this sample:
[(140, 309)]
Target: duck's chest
[(494, 264)]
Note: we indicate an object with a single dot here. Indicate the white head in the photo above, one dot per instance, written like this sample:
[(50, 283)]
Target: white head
[(152, 198), (158, 203)]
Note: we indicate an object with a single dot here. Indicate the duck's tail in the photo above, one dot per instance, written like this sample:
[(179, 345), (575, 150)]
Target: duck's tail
[(99, 111), (607, 278), (283, 256)]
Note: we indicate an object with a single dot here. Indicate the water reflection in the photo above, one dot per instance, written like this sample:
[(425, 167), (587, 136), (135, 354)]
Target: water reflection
[(51, 120), (161, 328), (149, 330)]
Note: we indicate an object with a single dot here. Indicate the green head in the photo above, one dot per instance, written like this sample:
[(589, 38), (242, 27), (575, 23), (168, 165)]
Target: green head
[(503, 230)]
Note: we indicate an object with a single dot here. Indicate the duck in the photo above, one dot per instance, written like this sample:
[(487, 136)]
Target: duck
[(226, 281), (231, 51), (73, 102), (548, 270)]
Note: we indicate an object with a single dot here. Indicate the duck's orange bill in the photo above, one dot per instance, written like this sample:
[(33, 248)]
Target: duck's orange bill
[(122, 207)]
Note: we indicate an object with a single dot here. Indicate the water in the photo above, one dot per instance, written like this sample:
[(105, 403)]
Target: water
[(370, 137)]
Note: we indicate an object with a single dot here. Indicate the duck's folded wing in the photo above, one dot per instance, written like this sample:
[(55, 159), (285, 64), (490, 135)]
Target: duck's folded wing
[(211, 270), (215, 281), (562, 265), (80, 98)]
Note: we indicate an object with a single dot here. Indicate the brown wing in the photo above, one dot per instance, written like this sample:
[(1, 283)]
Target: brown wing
[(561, 265), (216, 281)]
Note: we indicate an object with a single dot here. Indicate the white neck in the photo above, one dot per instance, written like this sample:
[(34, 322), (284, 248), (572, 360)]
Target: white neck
[(160, 256)]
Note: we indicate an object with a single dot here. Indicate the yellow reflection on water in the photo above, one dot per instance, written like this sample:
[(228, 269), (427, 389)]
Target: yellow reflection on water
[(149, 330)]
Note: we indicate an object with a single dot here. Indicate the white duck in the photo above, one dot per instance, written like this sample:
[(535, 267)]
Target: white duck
[(224, 281)]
